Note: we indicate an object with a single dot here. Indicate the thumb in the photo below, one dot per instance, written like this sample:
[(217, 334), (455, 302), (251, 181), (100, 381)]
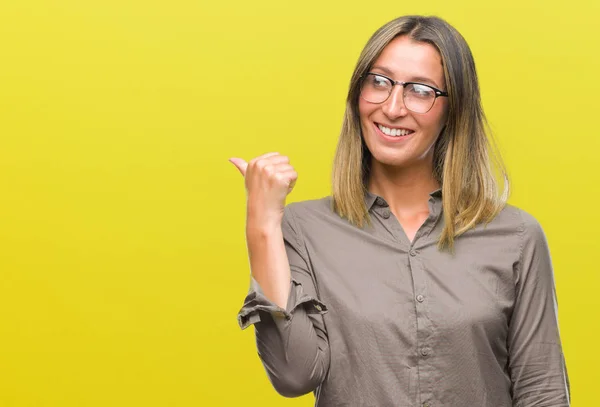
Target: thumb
[(240, 164)]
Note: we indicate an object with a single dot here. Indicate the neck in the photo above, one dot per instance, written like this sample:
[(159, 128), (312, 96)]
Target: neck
[(406, 190)]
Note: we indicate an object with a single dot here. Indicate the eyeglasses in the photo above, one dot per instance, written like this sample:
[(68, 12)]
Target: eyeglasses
[(418, 97)]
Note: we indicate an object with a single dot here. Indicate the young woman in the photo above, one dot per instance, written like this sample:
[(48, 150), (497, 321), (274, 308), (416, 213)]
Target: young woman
[(414, 284)]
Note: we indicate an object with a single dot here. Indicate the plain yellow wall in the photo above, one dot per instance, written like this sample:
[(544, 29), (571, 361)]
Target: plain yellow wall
[(122, 252)]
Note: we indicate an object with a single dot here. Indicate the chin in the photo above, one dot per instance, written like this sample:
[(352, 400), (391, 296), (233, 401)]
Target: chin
[(392, 160)]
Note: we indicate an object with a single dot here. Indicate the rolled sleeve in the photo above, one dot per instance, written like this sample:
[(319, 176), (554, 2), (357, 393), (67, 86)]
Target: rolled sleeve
[(256, 303), (536, 360)]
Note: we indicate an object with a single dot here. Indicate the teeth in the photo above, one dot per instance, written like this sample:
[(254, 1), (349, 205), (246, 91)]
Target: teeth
[(393, 132)]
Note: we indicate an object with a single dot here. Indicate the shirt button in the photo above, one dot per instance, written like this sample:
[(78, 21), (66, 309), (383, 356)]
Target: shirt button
[(386, 214), (425, 351), (381, 202), (420, 298), (318, 307), (413, 252)]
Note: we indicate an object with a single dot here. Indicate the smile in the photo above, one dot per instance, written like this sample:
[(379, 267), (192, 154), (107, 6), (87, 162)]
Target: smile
[(394, 132)]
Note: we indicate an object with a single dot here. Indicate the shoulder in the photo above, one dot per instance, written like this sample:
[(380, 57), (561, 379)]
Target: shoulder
[(307, 209), (512, 229), (518, 220), (307, 214), (532, 239)]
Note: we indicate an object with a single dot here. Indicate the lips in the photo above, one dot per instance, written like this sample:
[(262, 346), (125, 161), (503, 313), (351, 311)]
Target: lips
[(393, 131)]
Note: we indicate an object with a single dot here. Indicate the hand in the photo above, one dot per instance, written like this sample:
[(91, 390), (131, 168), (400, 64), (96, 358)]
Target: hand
[(269, 178)]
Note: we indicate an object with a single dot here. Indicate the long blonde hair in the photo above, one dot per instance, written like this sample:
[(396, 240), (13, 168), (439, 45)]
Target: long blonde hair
[(465, 156)]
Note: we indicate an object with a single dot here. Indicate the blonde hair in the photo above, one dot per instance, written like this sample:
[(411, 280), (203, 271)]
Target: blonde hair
[(465, 157)]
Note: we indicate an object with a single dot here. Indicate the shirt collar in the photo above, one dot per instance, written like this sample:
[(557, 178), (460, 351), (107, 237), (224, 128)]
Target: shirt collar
[(371, 198)]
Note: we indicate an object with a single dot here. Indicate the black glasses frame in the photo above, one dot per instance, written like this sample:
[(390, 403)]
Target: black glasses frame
[(438, 92)]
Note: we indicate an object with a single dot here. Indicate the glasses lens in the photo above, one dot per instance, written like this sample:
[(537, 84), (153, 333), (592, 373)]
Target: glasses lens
[(375, 88), (418, 98)]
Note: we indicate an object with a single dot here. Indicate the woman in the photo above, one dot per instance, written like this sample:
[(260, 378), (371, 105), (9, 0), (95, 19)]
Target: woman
[(414, 284)]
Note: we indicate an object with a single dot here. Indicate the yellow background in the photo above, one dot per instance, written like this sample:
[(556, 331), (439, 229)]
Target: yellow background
[(122, 252)]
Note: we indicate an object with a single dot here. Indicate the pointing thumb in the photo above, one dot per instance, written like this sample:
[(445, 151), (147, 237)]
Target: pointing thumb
[(240, 164)]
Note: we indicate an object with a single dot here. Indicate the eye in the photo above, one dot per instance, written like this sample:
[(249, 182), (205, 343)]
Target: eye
[(379, 81), (420, 91)]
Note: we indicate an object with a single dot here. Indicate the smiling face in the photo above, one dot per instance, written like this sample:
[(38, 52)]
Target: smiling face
[(394, 135)]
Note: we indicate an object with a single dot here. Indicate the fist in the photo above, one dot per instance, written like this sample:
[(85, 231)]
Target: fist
[(269, 178)]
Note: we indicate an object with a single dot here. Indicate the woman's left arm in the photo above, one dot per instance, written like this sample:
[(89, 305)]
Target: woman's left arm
[(536, 360)]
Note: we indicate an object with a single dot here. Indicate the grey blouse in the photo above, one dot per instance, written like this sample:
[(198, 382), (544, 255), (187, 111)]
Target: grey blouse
[(375, 320)]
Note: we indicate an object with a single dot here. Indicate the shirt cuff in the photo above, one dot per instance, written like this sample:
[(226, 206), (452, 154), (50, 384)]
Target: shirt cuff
[(256, 302)]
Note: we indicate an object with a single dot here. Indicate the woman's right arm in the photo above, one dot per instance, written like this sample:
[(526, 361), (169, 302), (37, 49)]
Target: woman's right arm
[(282, 302)]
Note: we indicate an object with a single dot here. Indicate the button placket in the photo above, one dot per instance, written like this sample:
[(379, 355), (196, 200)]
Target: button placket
[(423, 349)]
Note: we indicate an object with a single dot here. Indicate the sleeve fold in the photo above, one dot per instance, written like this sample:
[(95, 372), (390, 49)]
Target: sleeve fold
[(256, 303)]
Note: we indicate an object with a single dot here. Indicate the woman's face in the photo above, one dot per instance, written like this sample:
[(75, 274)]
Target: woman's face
[(408, 61)]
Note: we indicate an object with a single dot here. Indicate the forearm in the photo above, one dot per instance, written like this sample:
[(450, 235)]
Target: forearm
[(268, 259)]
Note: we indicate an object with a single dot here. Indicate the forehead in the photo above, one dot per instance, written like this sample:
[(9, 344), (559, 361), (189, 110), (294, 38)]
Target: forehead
[(405, 58)]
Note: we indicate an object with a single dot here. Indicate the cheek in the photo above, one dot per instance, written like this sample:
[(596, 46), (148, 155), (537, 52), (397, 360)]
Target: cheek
[(434, 121), (364, 109)]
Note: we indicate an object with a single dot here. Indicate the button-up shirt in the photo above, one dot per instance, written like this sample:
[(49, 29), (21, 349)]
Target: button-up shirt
[(374, 319)]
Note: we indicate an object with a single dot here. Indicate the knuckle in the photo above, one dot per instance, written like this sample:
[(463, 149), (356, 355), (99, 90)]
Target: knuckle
[(281, 178)]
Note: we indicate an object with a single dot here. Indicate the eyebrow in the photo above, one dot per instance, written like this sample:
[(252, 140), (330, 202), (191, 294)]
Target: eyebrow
[(423, 79)]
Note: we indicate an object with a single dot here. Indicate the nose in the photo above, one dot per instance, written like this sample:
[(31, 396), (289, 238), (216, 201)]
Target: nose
[(394, 106)]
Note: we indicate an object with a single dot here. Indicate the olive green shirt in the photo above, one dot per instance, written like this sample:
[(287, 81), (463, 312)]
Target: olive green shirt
[(374, 319)]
